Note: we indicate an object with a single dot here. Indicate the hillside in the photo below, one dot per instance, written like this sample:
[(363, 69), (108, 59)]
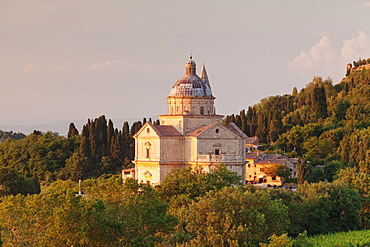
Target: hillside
[(325, 123)]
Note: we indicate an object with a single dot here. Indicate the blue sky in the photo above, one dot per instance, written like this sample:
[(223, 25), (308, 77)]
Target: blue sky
[(72, 60)]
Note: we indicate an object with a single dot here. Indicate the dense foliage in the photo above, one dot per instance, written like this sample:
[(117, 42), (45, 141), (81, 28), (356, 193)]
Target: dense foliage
[(99, 149)]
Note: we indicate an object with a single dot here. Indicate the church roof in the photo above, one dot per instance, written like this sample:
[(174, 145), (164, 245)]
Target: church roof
[(191, 84), (233, 128), (166, 130), (199, 130)]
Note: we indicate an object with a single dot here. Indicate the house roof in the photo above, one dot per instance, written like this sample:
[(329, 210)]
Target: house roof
[(252, 140), (264, 158)]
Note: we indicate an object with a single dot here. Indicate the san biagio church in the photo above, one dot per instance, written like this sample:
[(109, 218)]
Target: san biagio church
[(190, 135)]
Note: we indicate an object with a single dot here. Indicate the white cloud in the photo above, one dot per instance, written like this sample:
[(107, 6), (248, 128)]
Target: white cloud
[(30, 67), (325, 60), (64, 66), (116, 64), (319, 55), (354, 48)]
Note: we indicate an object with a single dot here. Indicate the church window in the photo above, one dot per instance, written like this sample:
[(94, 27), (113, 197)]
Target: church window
[(147, 152), (201, 110), (148, 130)]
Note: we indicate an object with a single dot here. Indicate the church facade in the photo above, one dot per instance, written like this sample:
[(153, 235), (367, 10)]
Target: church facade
[(191, 134)]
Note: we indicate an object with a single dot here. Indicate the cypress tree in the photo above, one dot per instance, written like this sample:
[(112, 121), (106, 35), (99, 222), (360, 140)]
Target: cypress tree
[(110, 133), (72, 130), (85, 149), (303, 170), (319, 106), (295, 91)]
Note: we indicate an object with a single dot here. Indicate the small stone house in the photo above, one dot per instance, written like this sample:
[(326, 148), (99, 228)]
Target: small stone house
[(258, 161)]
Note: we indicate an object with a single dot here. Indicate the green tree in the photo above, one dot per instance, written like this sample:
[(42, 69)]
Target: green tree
[(145, 219), (278, 241), (235, 216), (196, 182), (303, 170), (12, 183), (360, 181)]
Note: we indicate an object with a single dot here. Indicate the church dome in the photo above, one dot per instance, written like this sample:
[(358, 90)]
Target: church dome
[(191, 84)]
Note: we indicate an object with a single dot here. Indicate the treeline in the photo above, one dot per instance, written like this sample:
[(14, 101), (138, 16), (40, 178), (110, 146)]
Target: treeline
[(10, 134), (45, 157), (190, 208), (361, 62)]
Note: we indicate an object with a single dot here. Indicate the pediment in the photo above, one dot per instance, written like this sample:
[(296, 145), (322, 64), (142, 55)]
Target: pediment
[(147, 131)]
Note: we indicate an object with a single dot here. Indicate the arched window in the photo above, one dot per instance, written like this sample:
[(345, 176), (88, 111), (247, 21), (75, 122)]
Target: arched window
[(147, 144)]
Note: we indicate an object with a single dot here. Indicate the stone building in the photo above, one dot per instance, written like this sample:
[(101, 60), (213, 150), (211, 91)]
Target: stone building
[(258, 161), (191, 134)]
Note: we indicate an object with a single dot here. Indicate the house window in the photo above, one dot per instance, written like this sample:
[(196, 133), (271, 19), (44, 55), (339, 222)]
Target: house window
[(255, 165), (217, 151), (273, 177), (250, 176), (148, 130), (147, 152), (201, 110), (249, 165), (217, 130)]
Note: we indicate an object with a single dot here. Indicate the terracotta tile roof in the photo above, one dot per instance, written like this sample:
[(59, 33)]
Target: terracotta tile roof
[(200, 130), (252, 140), (233, 128), (166, 130), (263, 158), (251, 156)]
